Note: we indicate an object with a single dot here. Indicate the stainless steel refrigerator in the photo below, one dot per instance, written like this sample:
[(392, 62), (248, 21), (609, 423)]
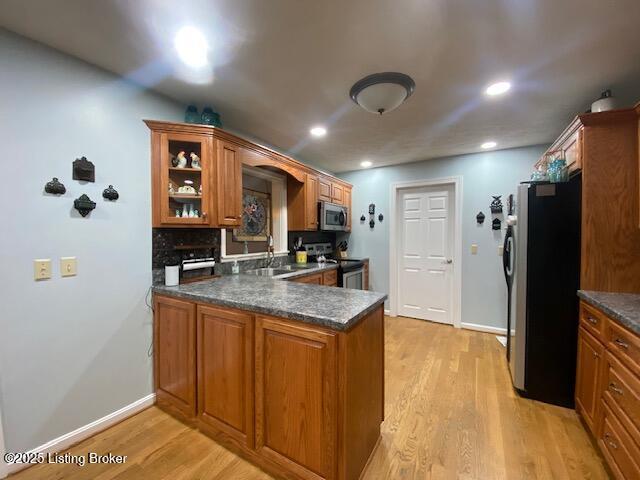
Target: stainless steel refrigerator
[(541, 259)]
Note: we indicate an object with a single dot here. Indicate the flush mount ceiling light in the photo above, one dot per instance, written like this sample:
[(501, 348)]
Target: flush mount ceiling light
[(488, 145), (191, 46), (382, 92), (318, 131), (365, 163), (498, 88)]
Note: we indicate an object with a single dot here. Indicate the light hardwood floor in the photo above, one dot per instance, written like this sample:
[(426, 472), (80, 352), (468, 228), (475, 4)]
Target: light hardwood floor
[(450, 414)]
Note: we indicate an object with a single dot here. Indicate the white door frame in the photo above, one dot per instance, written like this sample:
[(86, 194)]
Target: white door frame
[(456, 181)]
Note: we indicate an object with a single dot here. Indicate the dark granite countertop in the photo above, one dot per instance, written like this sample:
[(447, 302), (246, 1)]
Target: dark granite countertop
[(332, 307), (622, 307)]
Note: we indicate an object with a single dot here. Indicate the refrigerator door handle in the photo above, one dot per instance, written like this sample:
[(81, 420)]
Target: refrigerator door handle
[(510, 249)]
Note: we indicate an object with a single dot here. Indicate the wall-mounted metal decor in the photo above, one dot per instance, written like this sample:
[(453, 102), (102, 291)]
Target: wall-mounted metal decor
[(496, 204), (110, 193), (84, 205), (362, 218), (496, 224), (372, 223), (480, 218), (55, 187), (84, 170), (372, 208), (380, 218)]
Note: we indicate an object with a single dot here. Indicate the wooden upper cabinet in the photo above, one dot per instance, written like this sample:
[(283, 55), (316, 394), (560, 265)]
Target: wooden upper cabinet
[(174, 342), (590, 358), (296, 397), (324, 189), (182, 165), (337, 193), (229, 184), (225, 371), (311, 202), (347, 203)]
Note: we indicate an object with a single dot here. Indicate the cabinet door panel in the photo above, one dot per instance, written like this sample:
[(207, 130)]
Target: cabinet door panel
[(311, 202), (296, 397), (229, 184), (174, 354), (225, 371), (315, 279), (590, 353), (324, 190), (337, 193)]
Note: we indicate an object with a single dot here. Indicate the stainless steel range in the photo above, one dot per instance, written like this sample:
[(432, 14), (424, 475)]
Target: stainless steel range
[(350, 271)]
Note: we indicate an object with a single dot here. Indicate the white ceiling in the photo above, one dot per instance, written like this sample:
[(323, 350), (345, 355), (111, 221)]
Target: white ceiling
[(281, 66)]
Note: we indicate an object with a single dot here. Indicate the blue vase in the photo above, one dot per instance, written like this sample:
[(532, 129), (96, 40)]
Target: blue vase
[(207, 116), (191, 114)]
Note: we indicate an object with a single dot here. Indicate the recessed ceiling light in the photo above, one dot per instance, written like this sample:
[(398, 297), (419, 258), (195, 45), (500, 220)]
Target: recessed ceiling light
[(365, 163), (191, 46), (498, 88), (318, 131), (488, 145)]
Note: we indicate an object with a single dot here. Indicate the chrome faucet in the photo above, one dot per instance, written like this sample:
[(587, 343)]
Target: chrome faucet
[(270, 252)]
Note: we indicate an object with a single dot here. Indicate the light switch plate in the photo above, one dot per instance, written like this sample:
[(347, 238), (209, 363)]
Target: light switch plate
[(41, 269), (474, 249), (67, 266)]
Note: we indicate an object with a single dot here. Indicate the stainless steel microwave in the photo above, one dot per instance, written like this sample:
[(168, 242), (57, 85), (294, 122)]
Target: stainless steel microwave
[(332, 217)]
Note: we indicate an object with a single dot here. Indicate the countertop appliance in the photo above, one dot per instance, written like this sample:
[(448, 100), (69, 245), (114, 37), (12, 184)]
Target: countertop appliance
[(541, 259), (350, 270), (332, 217)]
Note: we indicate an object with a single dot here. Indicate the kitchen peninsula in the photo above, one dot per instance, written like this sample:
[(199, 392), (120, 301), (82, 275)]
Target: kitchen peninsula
[(288, 375)]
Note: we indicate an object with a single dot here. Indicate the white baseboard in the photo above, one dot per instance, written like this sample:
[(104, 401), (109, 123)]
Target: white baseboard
[(484, 328), (387, 311), (68, 439)]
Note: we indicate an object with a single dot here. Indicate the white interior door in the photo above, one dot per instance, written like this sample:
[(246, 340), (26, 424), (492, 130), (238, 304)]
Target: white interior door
[(425, 253)]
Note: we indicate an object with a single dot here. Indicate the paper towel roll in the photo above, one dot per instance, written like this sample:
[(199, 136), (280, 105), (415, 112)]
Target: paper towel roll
[(172, 275)]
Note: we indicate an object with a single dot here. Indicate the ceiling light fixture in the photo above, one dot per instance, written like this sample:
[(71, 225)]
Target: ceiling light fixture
[(318, 131), (498, 88), (382, 92), (365, 163), (488, 145), (192, 47)]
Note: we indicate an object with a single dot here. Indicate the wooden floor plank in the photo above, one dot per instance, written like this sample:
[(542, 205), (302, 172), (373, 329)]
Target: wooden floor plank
[(451, 414)]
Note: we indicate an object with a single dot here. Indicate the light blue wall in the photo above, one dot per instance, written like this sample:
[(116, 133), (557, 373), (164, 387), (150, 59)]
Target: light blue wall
[(484, 175), (72, 349)]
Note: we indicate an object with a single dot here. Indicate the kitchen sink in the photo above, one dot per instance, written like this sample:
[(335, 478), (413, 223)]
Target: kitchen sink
[(268, 272)]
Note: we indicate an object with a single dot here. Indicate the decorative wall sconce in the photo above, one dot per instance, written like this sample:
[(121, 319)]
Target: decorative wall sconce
[(84, 170), (496, 204), (480, 218), (496, 224), (55, 187), (84, 205), (110, 193)]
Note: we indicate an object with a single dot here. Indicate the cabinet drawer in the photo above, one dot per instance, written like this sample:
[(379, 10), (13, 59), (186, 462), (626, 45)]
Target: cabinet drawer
[(315, 278), (618, 448), (621, 389), (625, 345), (592, 320)]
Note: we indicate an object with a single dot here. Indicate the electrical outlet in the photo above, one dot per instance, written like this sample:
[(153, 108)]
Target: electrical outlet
[(68, 266), (474, 249), (41, 269)]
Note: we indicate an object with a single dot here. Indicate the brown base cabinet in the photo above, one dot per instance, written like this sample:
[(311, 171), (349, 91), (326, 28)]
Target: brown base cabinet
[(299, 400), (608, 389)]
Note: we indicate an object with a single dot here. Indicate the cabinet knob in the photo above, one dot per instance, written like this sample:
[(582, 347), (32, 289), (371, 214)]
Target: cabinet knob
[(614, 388), (204, 214), (621, 343), (596, 355), (592, 320), (611, 443)]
